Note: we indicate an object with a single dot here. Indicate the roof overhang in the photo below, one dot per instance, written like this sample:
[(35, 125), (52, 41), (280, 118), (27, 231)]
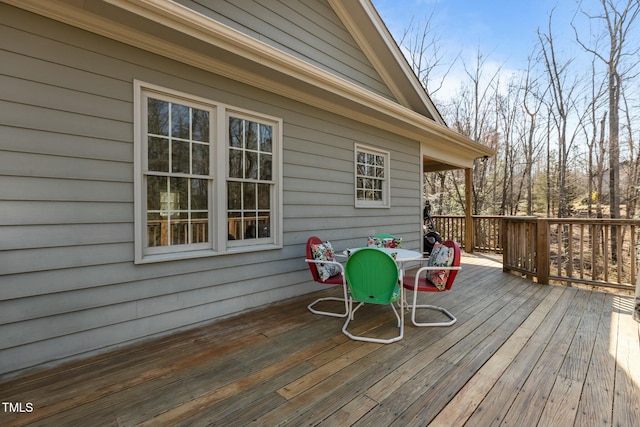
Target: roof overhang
[(177, 32)]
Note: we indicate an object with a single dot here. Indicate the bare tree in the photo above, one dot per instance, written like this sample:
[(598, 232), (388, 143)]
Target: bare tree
[(532, 103), (600, 169), (633, 180), (596, 153), (540, 105), (618, 21), (511, 130), (471, 113), (561, 92), (423, 49)]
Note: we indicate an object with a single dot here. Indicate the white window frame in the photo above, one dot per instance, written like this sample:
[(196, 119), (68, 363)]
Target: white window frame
[(218, 242), (385, 201)]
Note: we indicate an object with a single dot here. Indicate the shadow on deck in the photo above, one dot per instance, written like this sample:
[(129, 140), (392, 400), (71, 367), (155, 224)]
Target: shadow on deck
[(520, 354)]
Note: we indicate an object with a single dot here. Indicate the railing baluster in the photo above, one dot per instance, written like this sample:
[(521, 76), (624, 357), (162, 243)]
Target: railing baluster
[(605, 251), (620, 239), (581, 251), (633, 252), (570, 251), (559, 254)]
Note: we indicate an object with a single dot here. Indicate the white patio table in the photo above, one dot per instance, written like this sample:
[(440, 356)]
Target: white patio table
[(402, 256)]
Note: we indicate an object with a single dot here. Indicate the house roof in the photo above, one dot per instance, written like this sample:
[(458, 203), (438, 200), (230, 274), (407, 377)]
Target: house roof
[(175, 31)]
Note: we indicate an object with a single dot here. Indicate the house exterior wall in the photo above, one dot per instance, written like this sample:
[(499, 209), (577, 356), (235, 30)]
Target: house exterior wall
[(310, 31), (68, 283)]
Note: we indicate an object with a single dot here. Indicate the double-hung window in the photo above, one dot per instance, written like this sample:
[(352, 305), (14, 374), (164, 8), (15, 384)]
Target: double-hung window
[(177, 175), (207, 177), (372, 183)]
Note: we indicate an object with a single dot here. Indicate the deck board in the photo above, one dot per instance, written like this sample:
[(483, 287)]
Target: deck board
[(532, 397), (520, 354), (562, 401), (596, 400)]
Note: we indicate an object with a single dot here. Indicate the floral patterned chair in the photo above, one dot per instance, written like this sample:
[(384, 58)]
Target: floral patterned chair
[(327, 271), (437, 276)]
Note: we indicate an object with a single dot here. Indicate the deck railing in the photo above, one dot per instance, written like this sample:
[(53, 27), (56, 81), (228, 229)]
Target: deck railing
[(486, 228), (563, 250)]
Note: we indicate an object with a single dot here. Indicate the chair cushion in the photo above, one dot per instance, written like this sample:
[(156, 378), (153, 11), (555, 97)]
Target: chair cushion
[(324, 252), (386, 242), (441, 256), (424, 284)]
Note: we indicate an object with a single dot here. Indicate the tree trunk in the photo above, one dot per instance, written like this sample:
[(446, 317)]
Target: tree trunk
[(614, 159)]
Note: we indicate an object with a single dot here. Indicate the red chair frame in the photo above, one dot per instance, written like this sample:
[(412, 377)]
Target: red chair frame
[(419, 282), (338, 279)]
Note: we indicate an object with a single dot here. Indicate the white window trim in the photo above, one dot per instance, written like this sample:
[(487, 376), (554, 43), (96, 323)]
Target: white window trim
[(385, 203), (218, 241)]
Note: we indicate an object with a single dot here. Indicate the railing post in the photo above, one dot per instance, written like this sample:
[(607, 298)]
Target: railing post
[(504, 227), (542, 250), (469, 235)]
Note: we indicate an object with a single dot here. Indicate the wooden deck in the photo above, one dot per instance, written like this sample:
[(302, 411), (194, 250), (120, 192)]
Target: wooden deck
[(521, 354)]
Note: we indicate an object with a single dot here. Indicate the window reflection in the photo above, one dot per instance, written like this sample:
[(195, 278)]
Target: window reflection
[(178, 147), (250, 174), (157, 117), (371, 176), (180, 121)]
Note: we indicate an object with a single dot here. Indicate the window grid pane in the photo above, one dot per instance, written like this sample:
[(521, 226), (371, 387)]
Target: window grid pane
[(249, 179), (177, 200), (370, 176)]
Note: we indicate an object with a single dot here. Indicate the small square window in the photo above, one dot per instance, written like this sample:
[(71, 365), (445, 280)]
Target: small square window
[(372, 183)]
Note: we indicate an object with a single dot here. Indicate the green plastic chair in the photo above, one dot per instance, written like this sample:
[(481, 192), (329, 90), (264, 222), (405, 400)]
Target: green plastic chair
[(372, 277)]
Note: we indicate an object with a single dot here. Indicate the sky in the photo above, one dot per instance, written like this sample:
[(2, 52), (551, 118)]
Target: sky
[(504, 31)]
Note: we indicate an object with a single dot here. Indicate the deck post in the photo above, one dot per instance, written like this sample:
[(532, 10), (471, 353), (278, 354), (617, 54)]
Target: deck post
[(469, 232), (542, 250)]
